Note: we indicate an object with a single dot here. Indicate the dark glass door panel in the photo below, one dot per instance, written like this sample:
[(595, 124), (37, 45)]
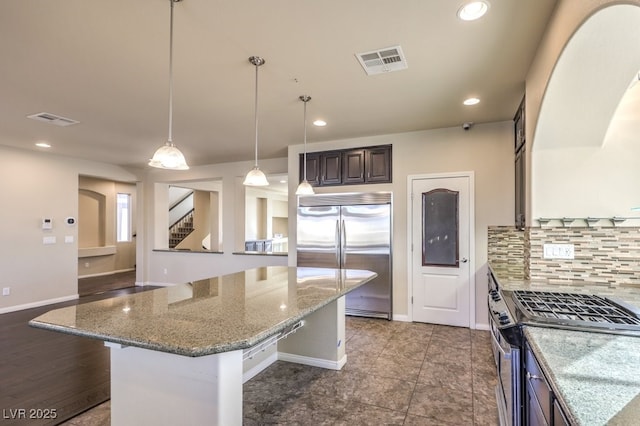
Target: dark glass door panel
[(440, 228)]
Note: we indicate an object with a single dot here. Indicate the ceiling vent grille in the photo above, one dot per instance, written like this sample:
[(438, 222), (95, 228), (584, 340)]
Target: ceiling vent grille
[(382, 60), (52, 119)]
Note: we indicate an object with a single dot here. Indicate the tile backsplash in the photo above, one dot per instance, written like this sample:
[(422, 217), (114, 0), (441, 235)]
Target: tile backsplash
[(609, 256)]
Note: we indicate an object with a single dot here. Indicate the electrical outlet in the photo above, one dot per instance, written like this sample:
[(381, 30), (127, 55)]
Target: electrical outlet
[(6, 291), (558, 251), (86, 264), (165, 271)]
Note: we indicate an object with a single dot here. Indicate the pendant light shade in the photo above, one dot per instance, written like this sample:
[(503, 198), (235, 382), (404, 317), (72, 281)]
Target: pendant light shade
[(168, 156), (256, 177), (305, 187)]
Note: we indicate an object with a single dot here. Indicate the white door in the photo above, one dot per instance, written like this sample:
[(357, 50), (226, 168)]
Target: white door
[(440, 229)]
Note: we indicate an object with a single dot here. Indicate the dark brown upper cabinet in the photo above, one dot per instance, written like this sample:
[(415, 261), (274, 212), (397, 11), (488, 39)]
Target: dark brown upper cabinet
[(348, 166), (330, 168), (378, 164), (353, 166), (519, 127), (313, 168), (323, 168), (520, 167)]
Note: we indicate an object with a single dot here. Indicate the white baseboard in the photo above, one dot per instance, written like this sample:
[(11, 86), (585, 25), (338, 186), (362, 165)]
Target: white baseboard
[(250, 374), (482, 326), (155, 284), (102, 274), (37, 304), (314, 362), (403, 318)]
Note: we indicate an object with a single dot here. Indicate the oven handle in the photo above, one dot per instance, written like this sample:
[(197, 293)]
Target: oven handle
[(502, 351)]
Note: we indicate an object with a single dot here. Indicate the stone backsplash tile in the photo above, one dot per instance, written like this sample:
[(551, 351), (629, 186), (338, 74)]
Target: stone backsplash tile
[(607, 256), (506, 247)]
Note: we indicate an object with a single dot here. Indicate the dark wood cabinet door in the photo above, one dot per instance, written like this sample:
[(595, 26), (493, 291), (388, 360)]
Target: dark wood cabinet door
[(353, 166), (348, 166), (378, 165), (331, 168), (313, 168), (520, 196)]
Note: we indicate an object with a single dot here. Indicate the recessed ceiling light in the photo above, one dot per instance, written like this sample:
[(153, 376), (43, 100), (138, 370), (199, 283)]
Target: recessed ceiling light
[(320, 123), (473, 10), (43, 145), (283, 181), (471, 101)]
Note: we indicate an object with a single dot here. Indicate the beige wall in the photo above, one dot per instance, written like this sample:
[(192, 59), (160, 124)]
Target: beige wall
[(487, 150), (565, 179), (35, 186), (262, 208)]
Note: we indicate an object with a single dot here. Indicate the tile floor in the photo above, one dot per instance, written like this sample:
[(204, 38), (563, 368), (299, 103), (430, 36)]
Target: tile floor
[(397, 373)]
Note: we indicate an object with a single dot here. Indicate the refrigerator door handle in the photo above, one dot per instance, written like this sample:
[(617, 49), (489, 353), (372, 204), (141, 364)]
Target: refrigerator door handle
[(343, 244), (338, 243)]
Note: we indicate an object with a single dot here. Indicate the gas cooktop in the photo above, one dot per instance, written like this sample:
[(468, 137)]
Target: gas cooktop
[(577, 311)]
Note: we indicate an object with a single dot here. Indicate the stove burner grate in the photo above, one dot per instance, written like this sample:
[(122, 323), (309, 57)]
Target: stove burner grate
[(585, 308)]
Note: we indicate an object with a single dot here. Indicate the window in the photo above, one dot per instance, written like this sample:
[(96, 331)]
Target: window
[(123, 217)]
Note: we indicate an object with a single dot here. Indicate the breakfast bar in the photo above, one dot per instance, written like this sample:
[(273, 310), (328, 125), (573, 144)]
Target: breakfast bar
[(177, 353)]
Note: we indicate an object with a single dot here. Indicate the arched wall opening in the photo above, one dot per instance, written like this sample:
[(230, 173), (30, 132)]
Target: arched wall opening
[(586, 146)]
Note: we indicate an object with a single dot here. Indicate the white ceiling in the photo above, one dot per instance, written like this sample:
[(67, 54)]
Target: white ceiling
[(105, 64)]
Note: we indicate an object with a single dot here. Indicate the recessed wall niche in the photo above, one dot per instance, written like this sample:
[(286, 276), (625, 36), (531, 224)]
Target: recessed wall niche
[(91, 219)]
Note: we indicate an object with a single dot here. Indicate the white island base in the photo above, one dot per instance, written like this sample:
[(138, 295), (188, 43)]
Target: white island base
[(160, 388)]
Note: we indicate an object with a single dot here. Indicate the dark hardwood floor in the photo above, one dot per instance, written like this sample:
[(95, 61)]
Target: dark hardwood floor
[(47, 371), (96, 285)]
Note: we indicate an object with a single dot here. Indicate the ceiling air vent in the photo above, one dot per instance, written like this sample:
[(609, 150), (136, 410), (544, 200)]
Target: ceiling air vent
[(52, 119), (382, 60)]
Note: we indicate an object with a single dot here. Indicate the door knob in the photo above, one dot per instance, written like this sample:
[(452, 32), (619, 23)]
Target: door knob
[(465, 260)]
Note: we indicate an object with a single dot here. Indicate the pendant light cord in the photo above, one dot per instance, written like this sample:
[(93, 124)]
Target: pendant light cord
[(170, 139), (256, 114), (305, 138)]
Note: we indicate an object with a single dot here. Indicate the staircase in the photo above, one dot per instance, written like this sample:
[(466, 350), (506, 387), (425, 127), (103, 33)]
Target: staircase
[(179, 230)]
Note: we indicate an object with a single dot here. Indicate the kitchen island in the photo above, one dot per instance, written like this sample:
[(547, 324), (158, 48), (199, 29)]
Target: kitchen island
[(177, 353)]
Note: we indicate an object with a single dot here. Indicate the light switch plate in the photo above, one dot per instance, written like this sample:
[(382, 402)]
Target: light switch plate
[(558, 251), (68, 239), (48, 240)]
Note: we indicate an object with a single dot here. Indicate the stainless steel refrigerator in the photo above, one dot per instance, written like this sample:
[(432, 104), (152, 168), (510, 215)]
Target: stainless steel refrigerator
[(350, 230)]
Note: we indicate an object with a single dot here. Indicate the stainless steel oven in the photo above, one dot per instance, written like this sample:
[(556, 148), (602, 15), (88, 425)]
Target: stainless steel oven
[(506, 344), (508, 395)]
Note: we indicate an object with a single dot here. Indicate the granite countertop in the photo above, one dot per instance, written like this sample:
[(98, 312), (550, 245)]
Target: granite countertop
[(209, 316), (595, 376)]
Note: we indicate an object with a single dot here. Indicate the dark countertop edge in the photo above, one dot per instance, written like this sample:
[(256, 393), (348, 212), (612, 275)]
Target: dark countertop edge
[(262, 253), (188, 251), (202, 351)]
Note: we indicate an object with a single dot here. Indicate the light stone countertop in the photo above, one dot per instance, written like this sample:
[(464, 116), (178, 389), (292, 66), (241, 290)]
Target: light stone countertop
[(595, 376), (209, 316)]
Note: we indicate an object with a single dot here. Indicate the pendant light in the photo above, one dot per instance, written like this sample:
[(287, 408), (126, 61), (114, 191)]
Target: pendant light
[(256, 177), (305, 187), (168, 156)]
